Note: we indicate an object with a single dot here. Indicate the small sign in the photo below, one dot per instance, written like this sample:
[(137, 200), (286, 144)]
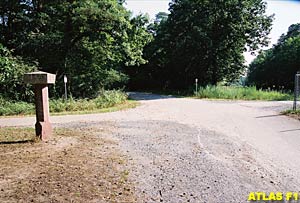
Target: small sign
[(65, 79)]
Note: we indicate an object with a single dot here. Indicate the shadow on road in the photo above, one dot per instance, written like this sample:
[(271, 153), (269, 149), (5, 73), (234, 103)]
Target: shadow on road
[(269, 116), (147, 96), (292, 130), (16, 142)]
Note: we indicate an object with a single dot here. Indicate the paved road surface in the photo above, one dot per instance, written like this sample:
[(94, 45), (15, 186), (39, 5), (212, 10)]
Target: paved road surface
[(188, 150)]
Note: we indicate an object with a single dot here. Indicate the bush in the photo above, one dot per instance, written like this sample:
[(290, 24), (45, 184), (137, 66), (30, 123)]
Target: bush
[(241, 93)]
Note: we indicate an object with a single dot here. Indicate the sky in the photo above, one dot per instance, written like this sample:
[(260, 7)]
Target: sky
[(286, 12)]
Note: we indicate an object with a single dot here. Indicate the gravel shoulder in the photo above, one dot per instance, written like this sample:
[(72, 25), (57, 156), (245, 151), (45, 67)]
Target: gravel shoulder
[(189, 150)]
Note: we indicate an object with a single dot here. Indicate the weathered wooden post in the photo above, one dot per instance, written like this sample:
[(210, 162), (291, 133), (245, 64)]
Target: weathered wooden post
[(40, 80)]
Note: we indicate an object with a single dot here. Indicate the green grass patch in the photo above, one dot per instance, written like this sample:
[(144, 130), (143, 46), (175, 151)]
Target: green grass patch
[(240, 93), (15, 135), (15, 108), (297, 112), (291, 112), (125, 105), (105, 102)]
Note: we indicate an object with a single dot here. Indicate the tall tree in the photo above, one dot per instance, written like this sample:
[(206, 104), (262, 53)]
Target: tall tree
[(206, 39), (276, 67)]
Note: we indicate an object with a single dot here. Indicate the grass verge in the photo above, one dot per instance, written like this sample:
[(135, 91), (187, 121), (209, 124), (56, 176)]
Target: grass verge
[(108, 101), (292, 113), (240, 93), (125, 105)]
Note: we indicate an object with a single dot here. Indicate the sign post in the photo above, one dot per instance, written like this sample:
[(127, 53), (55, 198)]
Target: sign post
[(196, 83), (296, 90)]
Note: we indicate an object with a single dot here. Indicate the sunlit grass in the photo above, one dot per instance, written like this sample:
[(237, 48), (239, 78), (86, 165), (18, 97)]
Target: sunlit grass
[(240, 93), (107, 101)]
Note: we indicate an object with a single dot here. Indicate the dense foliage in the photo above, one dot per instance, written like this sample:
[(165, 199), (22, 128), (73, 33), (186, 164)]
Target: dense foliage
[(203, 39), (90, 41), (12, 70), (276, 68)]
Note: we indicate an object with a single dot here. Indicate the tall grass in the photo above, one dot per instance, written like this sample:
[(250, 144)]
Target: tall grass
[(106, 99), (240, 93), (15, 108)]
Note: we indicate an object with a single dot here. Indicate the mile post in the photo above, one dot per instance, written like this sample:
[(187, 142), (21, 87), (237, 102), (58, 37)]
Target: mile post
[(40, 81)]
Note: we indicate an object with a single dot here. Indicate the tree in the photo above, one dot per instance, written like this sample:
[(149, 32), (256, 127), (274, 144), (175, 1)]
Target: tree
[(206, 39), (275, 68), (91, 41), (293, 31)]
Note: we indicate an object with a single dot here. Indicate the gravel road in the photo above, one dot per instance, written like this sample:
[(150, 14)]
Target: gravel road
[(189, 150)]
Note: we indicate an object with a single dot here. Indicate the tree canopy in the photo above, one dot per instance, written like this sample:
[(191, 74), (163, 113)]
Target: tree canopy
[(275, 68), (90, 41), (206, 40)]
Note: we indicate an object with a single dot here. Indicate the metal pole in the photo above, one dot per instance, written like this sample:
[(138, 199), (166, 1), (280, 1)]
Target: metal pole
[(66, 95), (196, 80), (296, 91)]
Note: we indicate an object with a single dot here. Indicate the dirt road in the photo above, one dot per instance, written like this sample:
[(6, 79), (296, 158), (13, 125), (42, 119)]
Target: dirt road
[(188, 150)]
